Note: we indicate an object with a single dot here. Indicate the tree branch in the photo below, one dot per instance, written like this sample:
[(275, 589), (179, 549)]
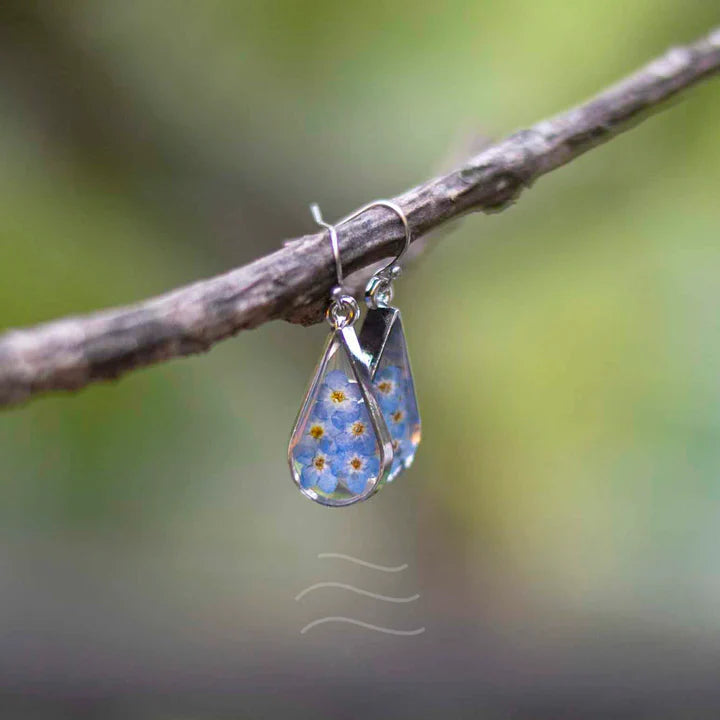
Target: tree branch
[(293, 283)]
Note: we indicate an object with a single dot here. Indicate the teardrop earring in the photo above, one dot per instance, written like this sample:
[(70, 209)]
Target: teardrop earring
[(340, 449), (382, 340)]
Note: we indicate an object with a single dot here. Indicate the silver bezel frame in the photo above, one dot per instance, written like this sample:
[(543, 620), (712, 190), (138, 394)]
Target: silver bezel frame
[(374, 335), (347, 339)]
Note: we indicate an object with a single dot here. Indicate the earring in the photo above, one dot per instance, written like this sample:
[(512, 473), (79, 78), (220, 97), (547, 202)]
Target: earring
[(340, 450), (382, 340)]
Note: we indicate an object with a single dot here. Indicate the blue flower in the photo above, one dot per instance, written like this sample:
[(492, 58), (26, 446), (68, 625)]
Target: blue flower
[(318, 473), (355, 434), (397, 422), (318, 434), (389, 385), (338, 396), (355, 469)]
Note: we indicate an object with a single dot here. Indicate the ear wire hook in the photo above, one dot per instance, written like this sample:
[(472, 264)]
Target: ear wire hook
[(317, 216), (379, 290), (343, 309), (393, 267)]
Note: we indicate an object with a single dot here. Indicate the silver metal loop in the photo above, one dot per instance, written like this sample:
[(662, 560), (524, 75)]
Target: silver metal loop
[(389, 268), (342, 312), (343, 309), (315, 210), (379, 291)]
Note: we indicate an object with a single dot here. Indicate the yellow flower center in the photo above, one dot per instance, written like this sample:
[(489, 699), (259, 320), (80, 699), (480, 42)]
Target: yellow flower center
[(317, 431), (358, 428), (319, 463), (338, 396), (385, 386), (397, 416), (356, 463)]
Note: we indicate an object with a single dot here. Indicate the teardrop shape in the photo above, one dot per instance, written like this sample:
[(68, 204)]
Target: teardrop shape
[(340, 449), (383, 341)]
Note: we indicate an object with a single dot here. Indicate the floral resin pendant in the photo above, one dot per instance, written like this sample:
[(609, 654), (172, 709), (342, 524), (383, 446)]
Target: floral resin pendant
[(383, 342), (340, 449)]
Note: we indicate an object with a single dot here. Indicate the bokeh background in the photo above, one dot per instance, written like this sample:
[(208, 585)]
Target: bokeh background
[(561, 523)]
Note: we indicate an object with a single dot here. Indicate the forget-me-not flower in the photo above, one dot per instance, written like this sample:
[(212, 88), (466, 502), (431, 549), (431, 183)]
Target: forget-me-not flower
[(355, 434), (318, 473), (338, 397), (356, 469), (318, 435), (389, 385), (397, 422)]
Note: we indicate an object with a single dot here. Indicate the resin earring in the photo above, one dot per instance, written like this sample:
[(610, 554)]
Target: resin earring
[(340, 449), (382, 339)]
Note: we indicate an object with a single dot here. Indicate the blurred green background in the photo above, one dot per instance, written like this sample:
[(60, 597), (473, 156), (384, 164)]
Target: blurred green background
[(561, 520)]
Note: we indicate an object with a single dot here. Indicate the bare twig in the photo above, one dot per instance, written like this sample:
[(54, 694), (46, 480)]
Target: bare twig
[(293, 282)]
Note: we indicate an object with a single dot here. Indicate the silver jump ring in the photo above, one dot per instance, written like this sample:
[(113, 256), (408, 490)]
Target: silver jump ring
[(379, 291), (342, 312)]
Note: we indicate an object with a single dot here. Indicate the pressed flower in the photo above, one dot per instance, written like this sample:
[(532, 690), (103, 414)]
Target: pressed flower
[(338, 396), (318, 473), (389, 385), (318, 434), (355, 434), (397, 422), (355, 469)]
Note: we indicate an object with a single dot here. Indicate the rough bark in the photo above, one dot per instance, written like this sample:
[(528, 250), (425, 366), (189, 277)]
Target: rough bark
[(293, 282)]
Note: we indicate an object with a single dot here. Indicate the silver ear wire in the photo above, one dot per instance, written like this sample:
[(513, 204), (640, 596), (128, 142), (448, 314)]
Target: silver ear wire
[(317, 216), (392, 269), (379, 290), (343, 309)]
